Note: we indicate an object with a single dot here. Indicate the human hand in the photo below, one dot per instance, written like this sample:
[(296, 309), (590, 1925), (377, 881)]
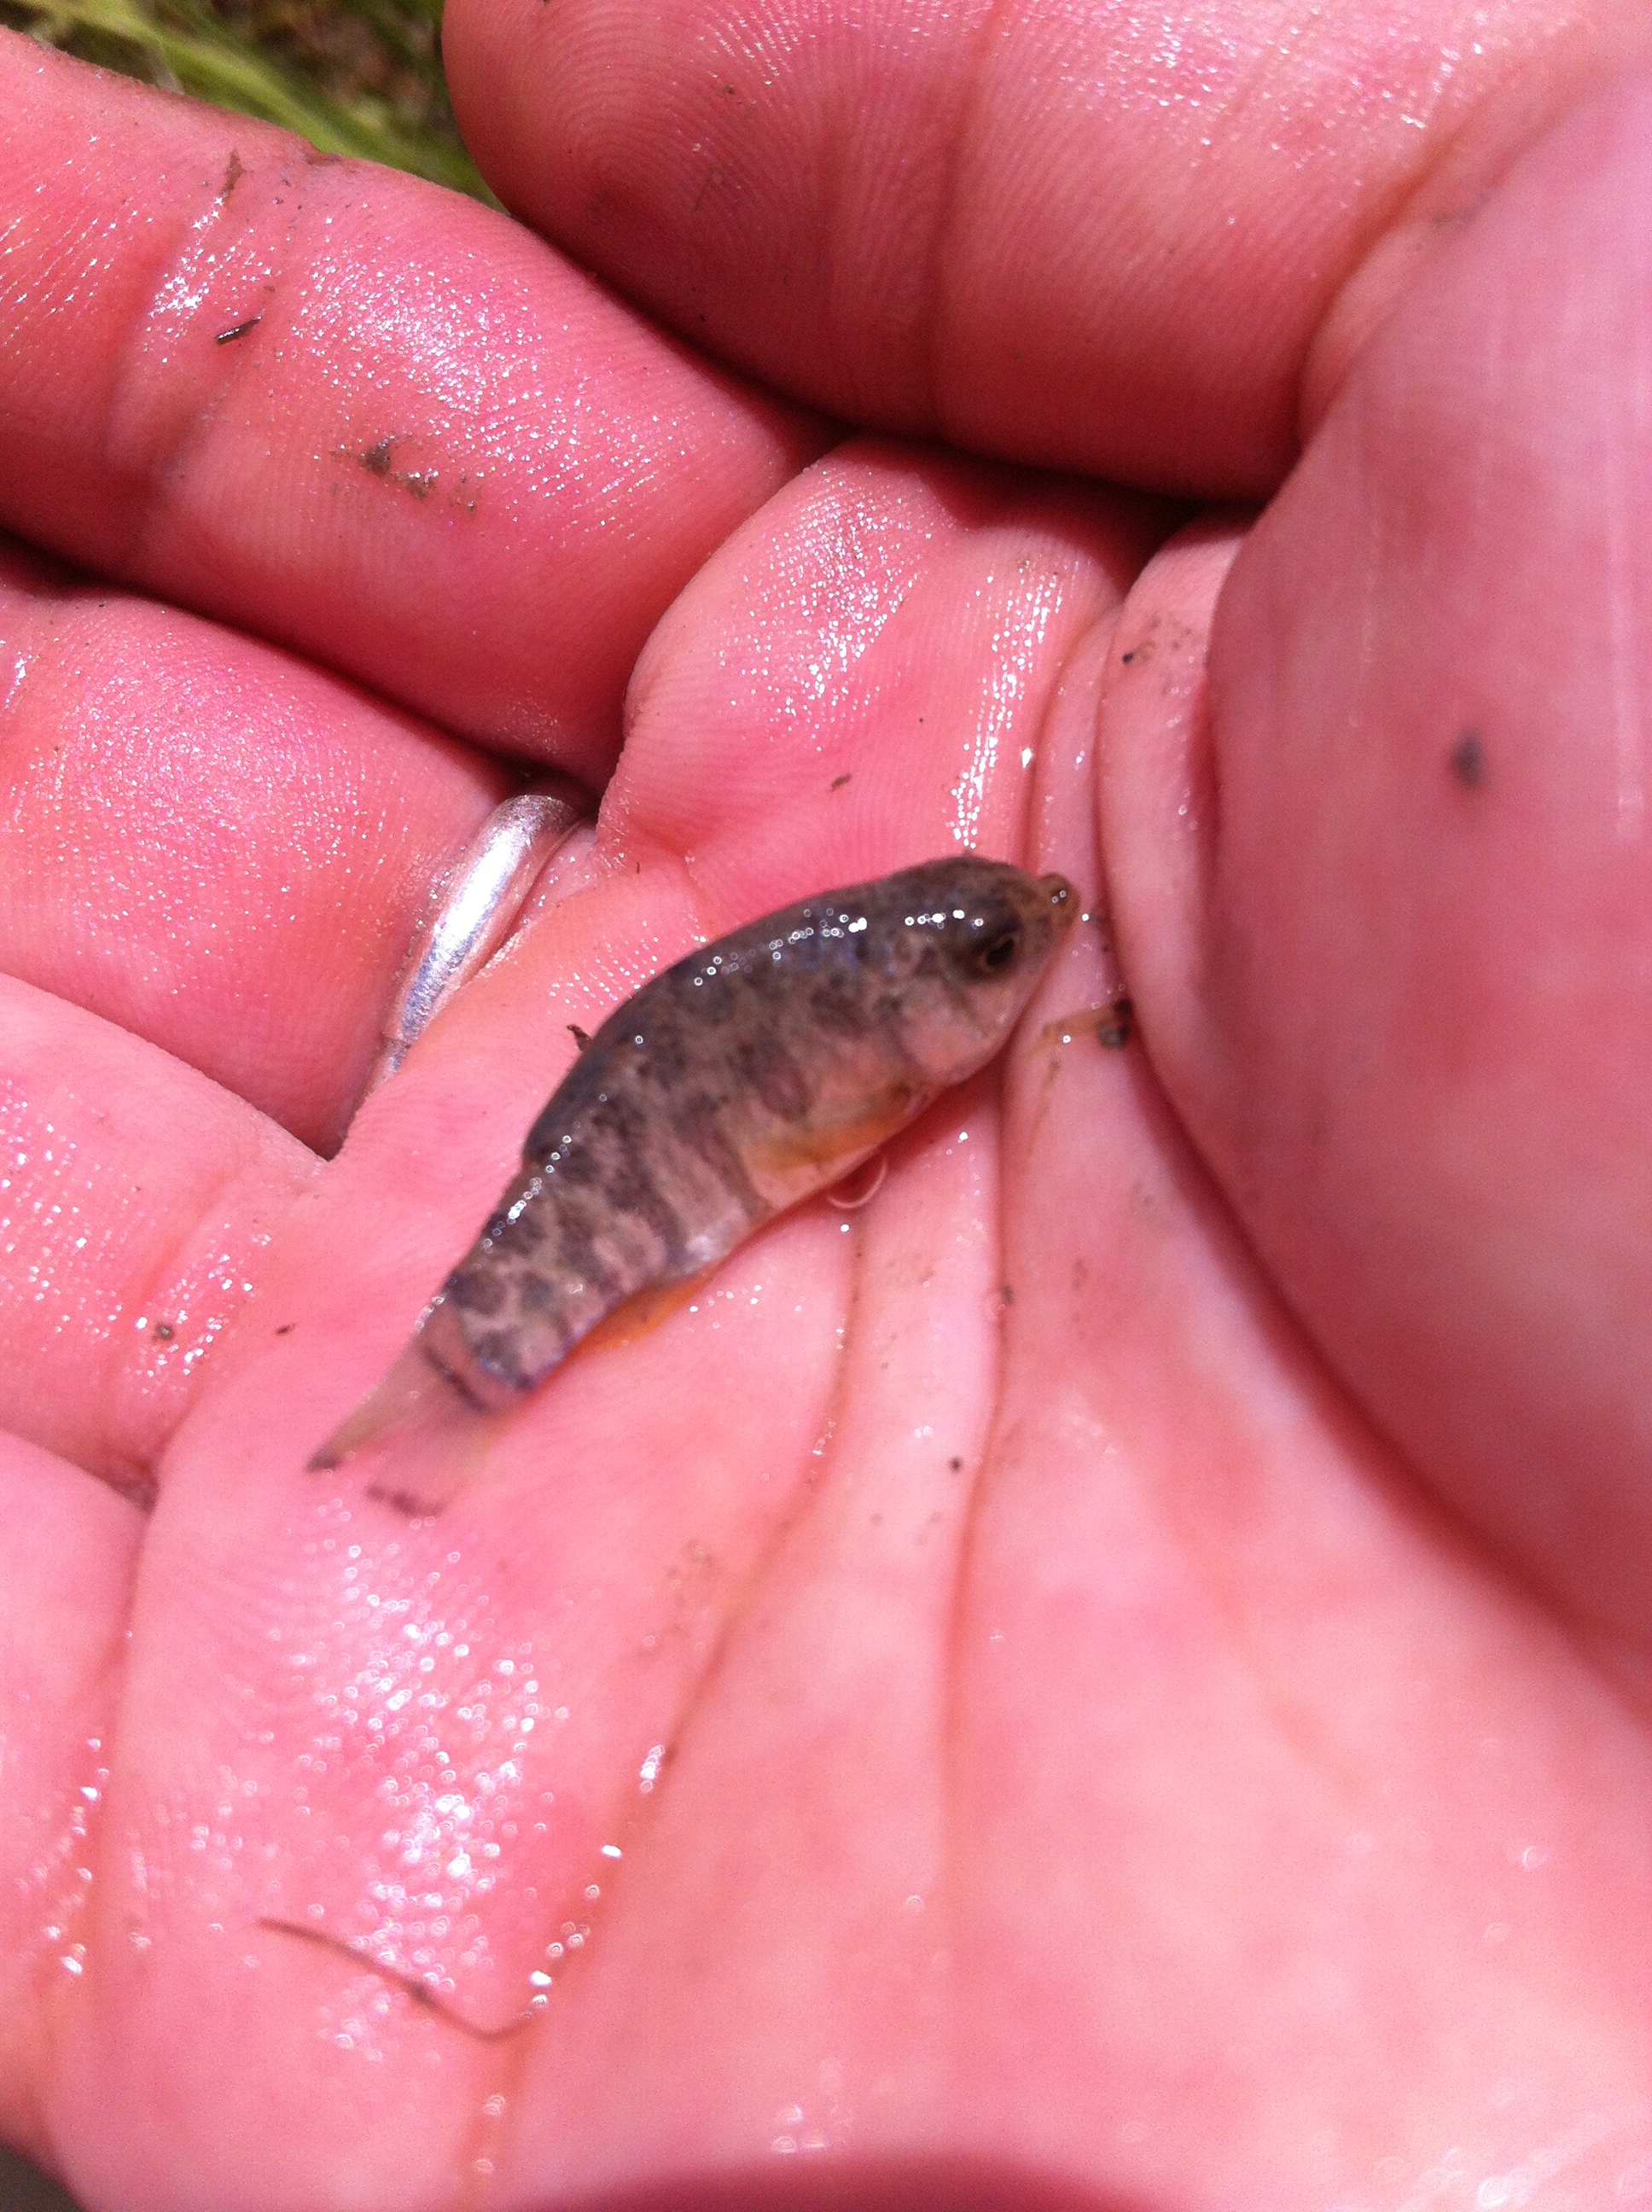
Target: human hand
[(1188, 1796)]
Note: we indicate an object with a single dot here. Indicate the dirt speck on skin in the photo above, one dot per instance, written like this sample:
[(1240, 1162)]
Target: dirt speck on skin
[(1116, 1025), (136, 1485), (1112, 1026), (1467, 760), (380, 460), (409, 1983)]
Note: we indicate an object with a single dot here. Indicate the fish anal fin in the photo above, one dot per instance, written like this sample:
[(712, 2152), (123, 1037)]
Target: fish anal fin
[(642, 1312), (823, 1150)]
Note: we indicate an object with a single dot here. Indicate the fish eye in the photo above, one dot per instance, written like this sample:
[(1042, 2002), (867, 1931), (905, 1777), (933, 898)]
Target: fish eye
[(994, 954)]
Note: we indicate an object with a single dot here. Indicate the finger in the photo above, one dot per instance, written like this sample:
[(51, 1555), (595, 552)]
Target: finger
[(850, 733), (1307, 1719), (212, 844), (541, 1644), (1398, 985), (349, 410), (66, 1572), (1074, 238), (137, 1200)]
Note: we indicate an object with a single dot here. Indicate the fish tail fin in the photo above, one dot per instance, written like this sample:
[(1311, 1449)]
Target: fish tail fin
[(414, 1386), (421, 1432)]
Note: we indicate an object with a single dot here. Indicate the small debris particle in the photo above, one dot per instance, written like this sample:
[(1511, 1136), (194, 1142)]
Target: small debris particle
[(956, 1465), (402, 1500), (378, 460), (1468, 760), (1116, 1024), (237, 330), (1127, 657), (286, 1329), (578, 1035), (418, 1988), (838, 781), (232, 174), (163, 1332), (1006, 1292), (137, 1489)]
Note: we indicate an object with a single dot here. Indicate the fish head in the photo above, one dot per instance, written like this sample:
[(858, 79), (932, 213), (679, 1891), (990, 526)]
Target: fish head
[(973, 937)]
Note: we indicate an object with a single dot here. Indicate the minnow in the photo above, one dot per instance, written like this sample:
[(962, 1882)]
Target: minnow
[(751, 1075)]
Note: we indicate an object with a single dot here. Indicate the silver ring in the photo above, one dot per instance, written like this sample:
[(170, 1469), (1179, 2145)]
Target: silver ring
[(475, 909)]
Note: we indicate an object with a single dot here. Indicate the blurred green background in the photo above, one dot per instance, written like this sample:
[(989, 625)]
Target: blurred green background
[(353, 77)]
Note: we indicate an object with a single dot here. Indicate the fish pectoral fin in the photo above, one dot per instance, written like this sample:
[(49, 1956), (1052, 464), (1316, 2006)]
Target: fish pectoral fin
[(834, 1145)]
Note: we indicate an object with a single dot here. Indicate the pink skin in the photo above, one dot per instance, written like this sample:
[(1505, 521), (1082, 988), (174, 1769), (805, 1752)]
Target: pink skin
[(1178, 1734)]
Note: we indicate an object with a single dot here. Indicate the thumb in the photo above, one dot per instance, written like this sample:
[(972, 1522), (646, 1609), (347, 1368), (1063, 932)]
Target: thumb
[(1398, 974)]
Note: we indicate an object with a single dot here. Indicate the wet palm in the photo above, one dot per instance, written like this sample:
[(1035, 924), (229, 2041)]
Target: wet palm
[(976, 1695)]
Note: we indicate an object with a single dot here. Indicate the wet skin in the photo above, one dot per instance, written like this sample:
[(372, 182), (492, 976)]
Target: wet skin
[(1114, 1676)]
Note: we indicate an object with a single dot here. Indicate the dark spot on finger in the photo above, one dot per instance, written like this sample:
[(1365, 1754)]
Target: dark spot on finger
[(1116, 1024), (1467, 760)]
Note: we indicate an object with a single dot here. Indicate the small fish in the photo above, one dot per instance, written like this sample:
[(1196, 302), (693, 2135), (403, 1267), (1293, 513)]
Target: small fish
[(757, 1072)]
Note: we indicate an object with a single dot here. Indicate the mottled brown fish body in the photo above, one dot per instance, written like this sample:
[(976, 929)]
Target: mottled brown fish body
[(749, 1076)]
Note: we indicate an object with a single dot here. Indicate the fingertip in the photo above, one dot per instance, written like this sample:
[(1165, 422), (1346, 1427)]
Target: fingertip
[(1393, 955)]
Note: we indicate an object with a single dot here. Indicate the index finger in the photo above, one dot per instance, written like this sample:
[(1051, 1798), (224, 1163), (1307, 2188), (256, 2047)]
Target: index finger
[(350, 411), (1088, 237)]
